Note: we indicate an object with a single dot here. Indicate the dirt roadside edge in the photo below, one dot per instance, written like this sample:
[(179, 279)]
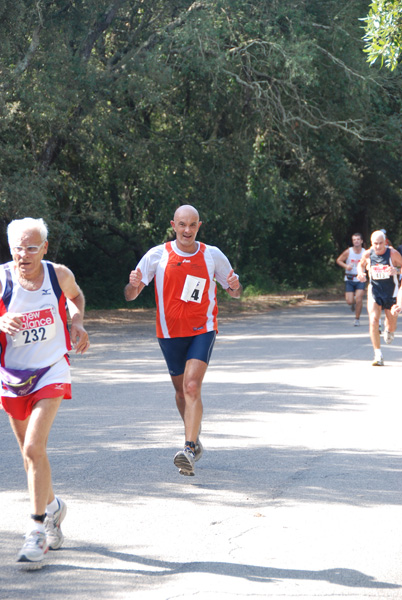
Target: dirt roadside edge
[(227, 307)]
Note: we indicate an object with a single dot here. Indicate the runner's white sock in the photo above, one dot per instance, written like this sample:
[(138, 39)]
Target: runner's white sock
[(35, 526), (377, 353), (52, 507)]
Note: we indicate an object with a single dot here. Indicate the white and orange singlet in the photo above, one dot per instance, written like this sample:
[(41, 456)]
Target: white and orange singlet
[(185, 288)]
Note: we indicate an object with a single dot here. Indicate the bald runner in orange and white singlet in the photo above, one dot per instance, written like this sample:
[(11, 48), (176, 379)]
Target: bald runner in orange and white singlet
[(184, 272), (185, 288)]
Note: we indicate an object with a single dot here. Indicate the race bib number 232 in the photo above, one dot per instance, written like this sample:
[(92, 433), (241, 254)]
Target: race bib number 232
[(37, 326)]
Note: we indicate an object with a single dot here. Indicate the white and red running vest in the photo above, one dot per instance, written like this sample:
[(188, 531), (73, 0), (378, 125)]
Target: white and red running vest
[(185, 288), (44, 339)]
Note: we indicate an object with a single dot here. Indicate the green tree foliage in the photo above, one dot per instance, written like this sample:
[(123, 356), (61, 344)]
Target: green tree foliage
[(384, 32), (263, 114)]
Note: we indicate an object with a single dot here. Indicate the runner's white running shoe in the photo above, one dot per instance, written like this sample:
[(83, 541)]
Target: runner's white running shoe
[(33, 552), (184, 461), (199, 450), (54, 535), (378, 362), (388, 336), (356, 323)]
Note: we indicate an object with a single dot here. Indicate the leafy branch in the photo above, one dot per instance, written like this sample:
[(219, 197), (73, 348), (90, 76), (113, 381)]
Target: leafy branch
[(383, 35)]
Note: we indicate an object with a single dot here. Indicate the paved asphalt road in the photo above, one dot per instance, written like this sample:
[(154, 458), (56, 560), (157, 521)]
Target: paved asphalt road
[(298, 495)]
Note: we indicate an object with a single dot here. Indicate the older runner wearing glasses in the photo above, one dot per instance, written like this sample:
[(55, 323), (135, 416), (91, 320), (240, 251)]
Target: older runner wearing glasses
[(35, 369)]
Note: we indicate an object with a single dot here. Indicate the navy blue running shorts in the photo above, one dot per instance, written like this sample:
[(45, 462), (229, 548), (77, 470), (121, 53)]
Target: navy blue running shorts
[(177, 351), (386, 302), (352, 286)]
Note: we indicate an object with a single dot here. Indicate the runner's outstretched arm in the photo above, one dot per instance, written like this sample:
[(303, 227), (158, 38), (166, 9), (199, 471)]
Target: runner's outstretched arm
[(134, 286)]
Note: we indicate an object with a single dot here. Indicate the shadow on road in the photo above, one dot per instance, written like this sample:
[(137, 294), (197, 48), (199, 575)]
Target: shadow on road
[(153, 571)]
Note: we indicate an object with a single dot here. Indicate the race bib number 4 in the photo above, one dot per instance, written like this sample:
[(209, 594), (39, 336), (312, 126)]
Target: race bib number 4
[(380, 272), (193, 289), (37, 326)]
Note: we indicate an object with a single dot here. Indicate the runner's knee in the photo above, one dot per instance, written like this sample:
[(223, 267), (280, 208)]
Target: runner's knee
[(192, 389), (179, 396), (34, 452)]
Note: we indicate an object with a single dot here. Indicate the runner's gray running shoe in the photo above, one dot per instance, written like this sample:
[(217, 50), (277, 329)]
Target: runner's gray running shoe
[(356, 323), (184, 461), (199, 450), (54, 535), (33, 551), (378, 362), (388, 336)]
